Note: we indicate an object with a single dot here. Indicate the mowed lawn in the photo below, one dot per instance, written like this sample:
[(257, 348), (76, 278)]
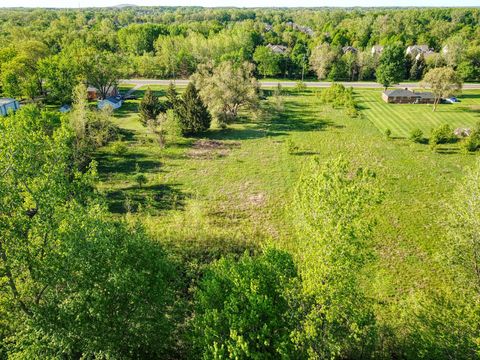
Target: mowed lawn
[(401, 119)]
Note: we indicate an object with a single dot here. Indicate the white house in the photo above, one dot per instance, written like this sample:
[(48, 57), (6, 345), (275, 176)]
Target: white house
[(7, 105), (115, 102)]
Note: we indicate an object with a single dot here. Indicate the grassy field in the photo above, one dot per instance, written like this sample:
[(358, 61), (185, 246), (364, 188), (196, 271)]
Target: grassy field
[(402, 118), (230, 190)]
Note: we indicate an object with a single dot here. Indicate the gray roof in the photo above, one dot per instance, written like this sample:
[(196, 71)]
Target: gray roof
[(6, 101), (113, 99), (278, 49), (408, 93)]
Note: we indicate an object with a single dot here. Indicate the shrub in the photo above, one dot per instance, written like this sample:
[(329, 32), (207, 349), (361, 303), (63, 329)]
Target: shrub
[(388, 133), (292, 148), (416, 135), (442, 135), (300, 86), (141, 179), (119, 148), (469, 144)]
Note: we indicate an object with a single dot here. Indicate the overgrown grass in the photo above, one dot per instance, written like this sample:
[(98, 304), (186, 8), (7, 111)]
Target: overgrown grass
[(231, 190)]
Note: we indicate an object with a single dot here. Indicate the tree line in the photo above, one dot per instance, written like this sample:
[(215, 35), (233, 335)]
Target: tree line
[(46, 52)]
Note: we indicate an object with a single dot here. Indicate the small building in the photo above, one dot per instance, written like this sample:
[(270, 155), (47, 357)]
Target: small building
[(278, 49), (377, 49), (349, 49), (8, 105), (405, 96), (94, 94), (462, 132), (115, 102)]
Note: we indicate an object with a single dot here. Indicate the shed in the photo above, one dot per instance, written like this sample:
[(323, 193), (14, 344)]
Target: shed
[(115, 102), (8, 105)]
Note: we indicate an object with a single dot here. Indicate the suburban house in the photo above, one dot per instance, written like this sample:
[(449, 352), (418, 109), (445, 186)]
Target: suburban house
[(278, 49), (301, 28), (377, 49), (8, 105), (94, 94), (405, 96), (349, 49), (414, 50), (115, 102)]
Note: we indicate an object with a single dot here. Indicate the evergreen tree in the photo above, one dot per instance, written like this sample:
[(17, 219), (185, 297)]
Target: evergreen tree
[(172, 96), (193, 114), (150, 107)]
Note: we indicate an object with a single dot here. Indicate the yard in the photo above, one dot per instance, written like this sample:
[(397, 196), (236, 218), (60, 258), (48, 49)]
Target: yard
[(402, 118), (231, 189)]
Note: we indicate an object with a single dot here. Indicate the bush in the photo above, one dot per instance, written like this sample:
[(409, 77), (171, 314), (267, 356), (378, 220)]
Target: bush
[(416, 135), (141, 179), (388, 133), (340, 97), (119, 148), (300, 86), (469, 144), (442, 135)]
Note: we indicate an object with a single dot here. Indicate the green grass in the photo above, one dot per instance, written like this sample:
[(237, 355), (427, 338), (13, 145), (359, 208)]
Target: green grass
[(239, 196), (401, 119)]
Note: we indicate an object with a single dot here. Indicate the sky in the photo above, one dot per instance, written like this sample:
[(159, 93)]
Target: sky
[(238, 3)]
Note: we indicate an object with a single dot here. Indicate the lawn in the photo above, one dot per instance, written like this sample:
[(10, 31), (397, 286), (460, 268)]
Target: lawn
[(401, 119), (230, 190)]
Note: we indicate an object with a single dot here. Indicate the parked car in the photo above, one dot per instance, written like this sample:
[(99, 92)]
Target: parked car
[(451, 100)]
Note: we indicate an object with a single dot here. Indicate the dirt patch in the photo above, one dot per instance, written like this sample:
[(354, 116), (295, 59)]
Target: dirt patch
[(210, 149), (257, 199)]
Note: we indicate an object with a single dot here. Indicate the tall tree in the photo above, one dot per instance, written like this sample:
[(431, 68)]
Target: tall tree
[(443, 82), (192, 112), (391, 68), (150, 107), (268, 62), (226, 89)]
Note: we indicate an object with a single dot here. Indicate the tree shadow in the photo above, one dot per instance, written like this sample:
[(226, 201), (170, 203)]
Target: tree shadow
[(155, 198), (126, 164)]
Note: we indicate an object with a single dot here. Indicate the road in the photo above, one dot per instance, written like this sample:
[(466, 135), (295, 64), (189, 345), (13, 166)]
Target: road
[(313, 84)]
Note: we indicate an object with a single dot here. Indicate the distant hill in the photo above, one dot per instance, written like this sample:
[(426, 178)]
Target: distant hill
[(122, 6)]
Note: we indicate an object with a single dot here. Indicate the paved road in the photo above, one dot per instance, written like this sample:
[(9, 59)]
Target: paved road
[(146, 82)]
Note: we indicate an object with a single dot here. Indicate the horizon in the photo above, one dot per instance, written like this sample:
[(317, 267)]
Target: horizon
[(238, 4)]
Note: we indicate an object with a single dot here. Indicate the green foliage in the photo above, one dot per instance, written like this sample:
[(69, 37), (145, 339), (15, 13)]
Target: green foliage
[(119, 148), (332, 203), (388, 133), (192, 113), (416, 136), (226, 89), (76, 282), (149, 108), (292, 148), (300, 86), (442, 135), (268, 62), (339, 96), (244, 308), (391, 69), (141, 179)]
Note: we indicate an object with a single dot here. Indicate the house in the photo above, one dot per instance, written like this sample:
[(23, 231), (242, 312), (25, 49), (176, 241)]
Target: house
[(405, 96), (268, 27), (414, 50), (94, 94), (301, 28), (278, 49), (115, 102), (8, 105), (349, 49), (377, 49)]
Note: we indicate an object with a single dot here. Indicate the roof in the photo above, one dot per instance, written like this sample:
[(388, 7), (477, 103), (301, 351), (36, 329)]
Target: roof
[(6, 101), (351, 49), (277, 49), (113, 99), (408, 93)]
